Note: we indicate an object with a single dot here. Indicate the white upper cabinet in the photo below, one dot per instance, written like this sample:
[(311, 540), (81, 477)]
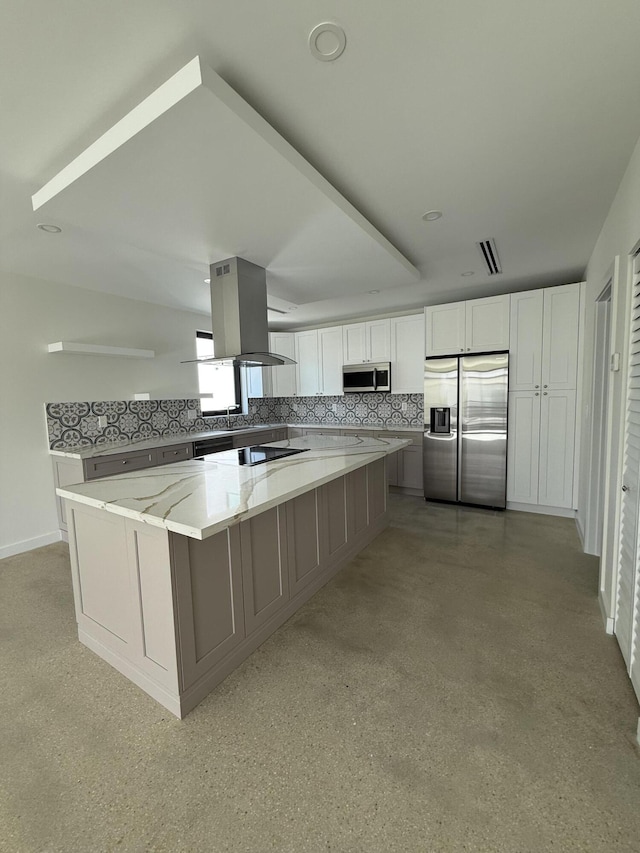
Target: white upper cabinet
[(319, 357), (478, 325), (560, 337), (445, 329), (330, 360), (487, 324), (525, 334), (283, 378), (308, 374), (544, 339), (407, 354), (364, 342)]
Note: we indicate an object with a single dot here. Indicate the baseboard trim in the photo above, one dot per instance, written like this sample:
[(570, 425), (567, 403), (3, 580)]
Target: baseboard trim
[(608, 621), (30, 544), (560, 511), (580, 534)]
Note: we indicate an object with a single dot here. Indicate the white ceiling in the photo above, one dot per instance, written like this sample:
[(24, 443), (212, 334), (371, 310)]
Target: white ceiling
[(515, 119)]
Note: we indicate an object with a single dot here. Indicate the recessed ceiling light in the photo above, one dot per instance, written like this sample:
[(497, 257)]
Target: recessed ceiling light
[(50, 229), (432, 215), (327, 42), (465, 274), (374, 291)]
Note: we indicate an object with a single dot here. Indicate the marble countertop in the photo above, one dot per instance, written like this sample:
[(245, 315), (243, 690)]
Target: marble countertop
[(200, 498), (113, 447)]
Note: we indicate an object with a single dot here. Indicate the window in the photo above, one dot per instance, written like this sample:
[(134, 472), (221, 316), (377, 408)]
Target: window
[(219, 383)]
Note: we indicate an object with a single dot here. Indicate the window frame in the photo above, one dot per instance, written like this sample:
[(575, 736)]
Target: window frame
[(232, 410)]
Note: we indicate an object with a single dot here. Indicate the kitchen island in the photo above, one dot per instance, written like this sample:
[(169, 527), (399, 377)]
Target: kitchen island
[(180, 572)]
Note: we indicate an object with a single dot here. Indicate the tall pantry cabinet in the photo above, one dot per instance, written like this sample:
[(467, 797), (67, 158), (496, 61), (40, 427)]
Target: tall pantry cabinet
[(543, 373)]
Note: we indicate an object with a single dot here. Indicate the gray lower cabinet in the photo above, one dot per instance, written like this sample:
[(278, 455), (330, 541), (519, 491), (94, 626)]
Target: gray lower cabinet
[(66, 472), (176, 615), (404, 468)]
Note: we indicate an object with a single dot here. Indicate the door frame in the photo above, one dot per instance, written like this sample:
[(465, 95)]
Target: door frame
[(600, 417), (621, 301)]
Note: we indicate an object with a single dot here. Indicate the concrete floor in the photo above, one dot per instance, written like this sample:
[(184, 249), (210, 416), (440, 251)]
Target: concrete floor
[(450, 690)]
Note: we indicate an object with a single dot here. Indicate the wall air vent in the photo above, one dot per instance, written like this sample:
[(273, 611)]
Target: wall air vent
[(490, 256)]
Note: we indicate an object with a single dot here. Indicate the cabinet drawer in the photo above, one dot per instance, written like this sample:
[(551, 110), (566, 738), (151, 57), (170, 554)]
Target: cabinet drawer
[(174, 453), (245, 439), (358, 433), (118, 464)]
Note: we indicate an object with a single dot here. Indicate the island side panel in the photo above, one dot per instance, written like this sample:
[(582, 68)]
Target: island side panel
[(334, 526), (263, 544), (358, 502), (377, 486), (303, 540), (207, 577)]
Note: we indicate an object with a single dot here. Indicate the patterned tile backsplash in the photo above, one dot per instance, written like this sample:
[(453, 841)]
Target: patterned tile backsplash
[(76, 424)]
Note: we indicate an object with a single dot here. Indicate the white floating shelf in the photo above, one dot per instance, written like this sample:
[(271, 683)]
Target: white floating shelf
[(95, 349)]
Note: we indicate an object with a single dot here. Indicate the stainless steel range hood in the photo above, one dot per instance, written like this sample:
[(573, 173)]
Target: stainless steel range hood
[(239, 315)]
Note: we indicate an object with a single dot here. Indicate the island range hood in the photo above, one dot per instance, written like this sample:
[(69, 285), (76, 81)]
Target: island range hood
[(239, 316)]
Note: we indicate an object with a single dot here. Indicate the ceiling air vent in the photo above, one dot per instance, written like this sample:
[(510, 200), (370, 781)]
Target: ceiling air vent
[(490, 256)]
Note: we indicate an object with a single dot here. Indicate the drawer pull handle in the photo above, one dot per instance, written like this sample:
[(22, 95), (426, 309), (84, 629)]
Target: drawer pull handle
[(124, 461)]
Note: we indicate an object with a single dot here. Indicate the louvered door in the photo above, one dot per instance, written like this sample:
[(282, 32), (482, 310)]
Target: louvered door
[(627, 626)]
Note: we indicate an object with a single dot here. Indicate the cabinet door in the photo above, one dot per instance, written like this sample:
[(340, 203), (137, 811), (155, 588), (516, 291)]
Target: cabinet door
[(523, 446), (407, 354), (354, 340), (330, 357), (487, 324), (410, 467), (308, 376), (256, 382), (378, 335), (283, 378), (66, 472), (560, 337), (445, 329), (525, 341), (557, 436)]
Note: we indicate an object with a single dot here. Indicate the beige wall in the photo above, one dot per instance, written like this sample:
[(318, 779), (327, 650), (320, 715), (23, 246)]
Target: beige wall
[(34, 313), (619, 235)]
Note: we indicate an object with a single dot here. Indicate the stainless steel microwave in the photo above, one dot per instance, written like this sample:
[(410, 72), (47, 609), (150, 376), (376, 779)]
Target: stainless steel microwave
[(366, 377)]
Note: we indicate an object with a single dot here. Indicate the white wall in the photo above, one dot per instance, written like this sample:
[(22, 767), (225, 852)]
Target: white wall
[(619, 236), (34, 313)]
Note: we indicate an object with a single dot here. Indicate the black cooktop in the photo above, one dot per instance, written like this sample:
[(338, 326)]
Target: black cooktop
[(260, 453), (257, 454)]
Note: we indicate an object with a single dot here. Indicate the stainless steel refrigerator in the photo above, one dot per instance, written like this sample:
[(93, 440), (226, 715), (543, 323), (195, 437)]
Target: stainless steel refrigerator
[(465, 430)]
